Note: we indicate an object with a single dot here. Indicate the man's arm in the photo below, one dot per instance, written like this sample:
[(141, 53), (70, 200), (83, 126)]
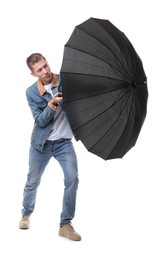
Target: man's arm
[(42, 111)]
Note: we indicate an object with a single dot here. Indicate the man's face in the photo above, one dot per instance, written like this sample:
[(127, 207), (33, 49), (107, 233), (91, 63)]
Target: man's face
[(41, 69)]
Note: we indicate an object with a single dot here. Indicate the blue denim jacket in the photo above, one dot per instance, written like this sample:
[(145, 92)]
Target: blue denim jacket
[(43, 114)]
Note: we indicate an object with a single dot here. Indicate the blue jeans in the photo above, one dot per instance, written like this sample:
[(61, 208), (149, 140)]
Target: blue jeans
[(62, 150)]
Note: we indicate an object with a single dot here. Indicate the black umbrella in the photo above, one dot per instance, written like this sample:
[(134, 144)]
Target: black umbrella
[(104, 88)]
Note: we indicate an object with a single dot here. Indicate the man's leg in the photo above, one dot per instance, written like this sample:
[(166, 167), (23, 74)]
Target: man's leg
[(65, 154), (37, 163)]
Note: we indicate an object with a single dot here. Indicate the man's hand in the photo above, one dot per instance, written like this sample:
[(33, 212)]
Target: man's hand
[(53, 103), (56, 98)]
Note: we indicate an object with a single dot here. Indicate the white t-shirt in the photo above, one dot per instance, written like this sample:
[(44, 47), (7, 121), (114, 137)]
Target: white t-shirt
[(61, 127)]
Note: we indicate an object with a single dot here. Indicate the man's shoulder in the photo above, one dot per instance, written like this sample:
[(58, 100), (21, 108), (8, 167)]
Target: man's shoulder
[(32, 88), (32, 91)]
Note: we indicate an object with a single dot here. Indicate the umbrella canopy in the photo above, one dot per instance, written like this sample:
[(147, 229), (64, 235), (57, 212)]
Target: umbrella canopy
[(104, 88)]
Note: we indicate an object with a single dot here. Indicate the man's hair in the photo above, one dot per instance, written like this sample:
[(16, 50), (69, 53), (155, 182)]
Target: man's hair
[(34, 58)]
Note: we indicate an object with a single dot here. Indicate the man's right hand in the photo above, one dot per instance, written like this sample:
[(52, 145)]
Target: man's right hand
[(56, 98), (53, 103)]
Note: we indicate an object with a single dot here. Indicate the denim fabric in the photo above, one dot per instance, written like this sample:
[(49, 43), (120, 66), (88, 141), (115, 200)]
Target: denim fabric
[(42, 114), (63, 151), (41, 151)]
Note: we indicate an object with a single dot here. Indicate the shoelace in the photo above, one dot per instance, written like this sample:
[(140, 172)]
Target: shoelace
[(25, 217), (70, 227)]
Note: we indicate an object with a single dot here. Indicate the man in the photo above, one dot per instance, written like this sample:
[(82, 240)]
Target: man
[(51, 137)]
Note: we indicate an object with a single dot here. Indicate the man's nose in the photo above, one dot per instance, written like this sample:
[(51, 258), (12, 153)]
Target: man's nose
[(44, 70)]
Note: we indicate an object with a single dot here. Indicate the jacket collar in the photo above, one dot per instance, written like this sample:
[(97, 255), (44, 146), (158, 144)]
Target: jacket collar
[(41, 87)]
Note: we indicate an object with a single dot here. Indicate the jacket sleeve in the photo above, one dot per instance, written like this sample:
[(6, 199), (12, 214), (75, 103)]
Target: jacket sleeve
[(42, 111)]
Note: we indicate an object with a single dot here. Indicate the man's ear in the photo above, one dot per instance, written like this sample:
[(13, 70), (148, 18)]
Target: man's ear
[(32, 73)]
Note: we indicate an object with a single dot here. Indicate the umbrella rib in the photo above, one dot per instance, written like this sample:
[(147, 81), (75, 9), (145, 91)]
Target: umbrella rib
[(80, 98), (122, 131), (128, 78), (113, 124), (117, 100), (109, 49)]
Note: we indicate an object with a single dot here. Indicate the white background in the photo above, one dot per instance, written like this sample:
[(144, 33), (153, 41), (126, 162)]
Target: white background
[(122, 204)]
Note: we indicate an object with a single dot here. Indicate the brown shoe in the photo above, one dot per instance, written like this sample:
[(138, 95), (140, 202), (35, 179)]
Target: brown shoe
[(24, 222), (68, 231)]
